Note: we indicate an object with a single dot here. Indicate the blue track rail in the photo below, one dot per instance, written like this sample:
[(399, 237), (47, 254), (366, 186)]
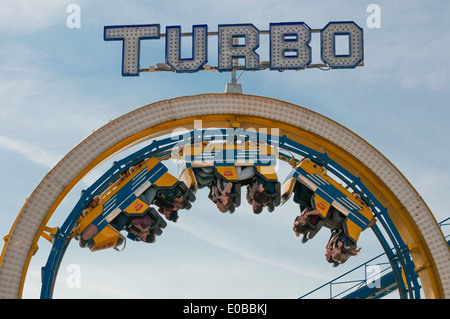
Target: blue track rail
[(398, 256)]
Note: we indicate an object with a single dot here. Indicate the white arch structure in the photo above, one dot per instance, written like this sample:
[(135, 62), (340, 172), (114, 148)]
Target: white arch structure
[(409, 213)]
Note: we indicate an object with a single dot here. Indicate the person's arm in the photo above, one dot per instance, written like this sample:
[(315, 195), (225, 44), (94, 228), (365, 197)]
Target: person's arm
[(313, 212), (227, 188)]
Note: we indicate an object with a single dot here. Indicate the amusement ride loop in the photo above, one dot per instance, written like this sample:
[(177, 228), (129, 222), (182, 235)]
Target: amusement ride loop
[(420, 252)]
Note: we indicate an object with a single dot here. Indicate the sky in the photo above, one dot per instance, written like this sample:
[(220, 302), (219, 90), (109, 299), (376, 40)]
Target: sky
[(58, 84)]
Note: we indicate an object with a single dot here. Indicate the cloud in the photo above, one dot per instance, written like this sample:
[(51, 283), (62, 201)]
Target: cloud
[(30, 152), (407, 51), (214, 237), (41, 156), (33, 97), (24, 17)]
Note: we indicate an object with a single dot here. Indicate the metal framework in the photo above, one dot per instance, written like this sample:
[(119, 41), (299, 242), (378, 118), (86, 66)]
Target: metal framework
[(360, 289), (399, 259), (419, 246)]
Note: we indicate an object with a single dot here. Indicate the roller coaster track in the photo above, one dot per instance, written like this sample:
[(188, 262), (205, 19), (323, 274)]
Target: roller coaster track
[(420, 249)]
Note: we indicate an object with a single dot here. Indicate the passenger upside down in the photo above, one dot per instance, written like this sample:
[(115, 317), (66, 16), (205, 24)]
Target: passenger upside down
[(325, 203), (126, 205), (225, 177)]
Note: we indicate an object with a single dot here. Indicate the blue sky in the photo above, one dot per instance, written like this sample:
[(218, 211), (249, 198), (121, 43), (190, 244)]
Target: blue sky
[(58, 84)]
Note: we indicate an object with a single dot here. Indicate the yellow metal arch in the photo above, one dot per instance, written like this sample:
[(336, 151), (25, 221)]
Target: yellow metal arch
[(410, 214)]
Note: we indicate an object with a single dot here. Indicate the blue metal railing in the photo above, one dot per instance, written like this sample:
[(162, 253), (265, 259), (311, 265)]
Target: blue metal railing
[(362, 288), (379, 280), (398, 256)]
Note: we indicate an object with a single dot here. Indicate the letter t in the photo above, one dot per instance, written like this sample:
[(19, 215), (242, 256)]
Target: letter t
[(131, 37)]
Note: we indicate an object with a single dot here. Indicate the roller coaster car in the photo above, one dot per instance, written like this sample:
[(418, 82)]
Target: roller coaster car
[(328, 193), (126, 196), (200, 164)]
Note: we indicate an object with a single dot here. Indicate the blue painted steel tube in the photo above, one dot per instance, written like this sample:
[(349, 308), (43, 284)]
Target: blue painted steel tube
[(50, 270)]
